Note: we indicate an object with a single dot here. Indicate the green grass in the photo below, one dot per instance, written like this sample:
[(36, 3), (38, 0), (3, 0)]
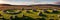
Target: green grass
[(33, 14)]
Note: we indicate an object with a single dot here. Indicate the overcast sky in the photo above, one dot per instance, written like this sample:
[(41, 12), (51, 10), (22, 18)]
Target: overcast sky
[(27, 2)]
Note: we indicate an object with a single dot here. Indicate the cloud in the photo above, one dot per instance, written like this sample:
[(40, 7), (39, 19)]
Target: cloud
[(25, 2), (20, 3), (1, 1), (16, 2)]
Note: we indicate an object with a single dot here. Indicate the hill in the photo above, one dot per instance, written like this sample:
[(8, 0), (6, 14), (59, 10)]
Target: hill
[(40, 6)]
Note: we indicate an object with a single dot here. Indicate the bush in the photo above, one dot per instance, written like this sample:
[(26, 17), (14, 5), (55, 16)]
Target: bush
[(41, 14), (55, 12), (22, 18), (41, 19), (35, 11)]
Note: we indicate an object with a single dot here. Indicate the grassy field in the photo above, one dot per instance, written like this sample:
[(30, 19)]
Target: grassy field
[(34, 14)]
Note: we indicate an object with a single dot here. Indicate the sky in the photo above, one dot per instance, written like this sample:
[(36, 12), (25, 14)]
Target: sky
[(27, 2)]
